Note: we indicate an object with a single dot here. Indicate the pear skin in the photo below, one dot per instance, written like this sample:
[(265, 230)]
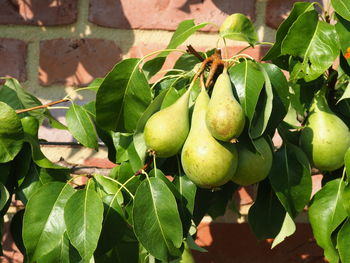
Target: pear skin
[(325, 138), (166, 131), (253, 167), (206, 161), (225, 117)]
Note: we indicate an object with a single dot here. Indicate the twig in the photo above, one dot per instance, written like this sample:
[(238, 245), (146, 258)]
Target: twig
[(41, 106), (83, 170), (192, 51), (144, 167)]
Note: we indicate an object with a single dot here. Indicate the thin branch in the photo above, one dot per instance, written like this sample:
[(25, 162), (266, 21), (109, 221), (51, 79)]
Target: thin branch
[(144, 167), (192, 51), (41, 106), (82, 169)]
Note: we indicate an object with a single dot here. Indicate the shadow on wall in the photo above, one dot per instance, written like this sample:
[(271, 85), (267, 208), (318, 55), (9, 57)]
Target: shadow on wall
[(227, 243)]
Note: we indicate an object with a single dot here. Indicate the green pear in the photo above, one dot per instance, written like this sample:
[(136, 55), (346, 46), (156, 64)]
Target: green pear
[(166, 131), (253, 166), (206, 161), (225, 117), (325, 137)]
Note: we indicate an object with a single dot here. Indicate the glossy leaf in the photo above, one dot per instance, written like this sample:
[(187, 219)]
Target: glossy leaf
[(43, 223), (342, 7), (326, 213), (16, 230), (290, 177), (124, 172), (347, 162), (63, 253), (316, 42), (122, 97), (184, 30), (113, 225), (248, 81), (83, 215), (11, 133), (343, 242), (157, 224), (343, 30), (18, 98), (288, 228), (187, 190), (281, 96), (81, 126), (266, 215), (263, 114), (239, 27), (4, 196), (139, 141), (31, 183), (160, 175), (38, 157), (346, 94)]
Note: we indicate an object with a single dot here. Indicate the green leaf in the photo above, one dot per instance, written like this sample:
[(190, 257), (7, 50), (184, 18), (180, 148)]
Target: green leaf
[(18, 98), (139, 141), (63, 253), (342, 7), (160, 175), (288, 229), (315, 42), (299, 8), (266, 215), (290, 177), (81, 126), (30, 184), (16, 230), (83, 215), (343, 30), (281, 96), (248, 81), (239, 27), (187, 190), (108, 185), (171, 96), (113, 225), (346, 94), (157, 223), (122, 97), (121, 253), (4, 196), (123, 144), (184, 30), (38, 157), (343, 242), (11, 133), (124, 172), (43, 224), (326, 213), (347, 162), (264, 112)]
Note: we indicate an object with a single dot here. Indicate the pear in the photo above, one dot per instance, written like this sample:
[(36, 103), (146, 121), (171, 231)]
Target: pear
[(325, 138), (206, 161), (166, 131), (253, 166), (225, 117)]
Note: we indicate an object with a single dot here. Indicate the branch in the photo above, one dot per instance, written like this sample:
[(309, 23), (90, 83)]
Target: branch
[(41, 106), (192, 51), (81, 169)]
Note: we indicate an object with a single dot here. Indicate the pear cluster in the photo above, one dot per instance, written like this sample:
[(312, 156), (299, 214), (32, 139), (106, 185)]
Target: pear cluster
[(209, 156)]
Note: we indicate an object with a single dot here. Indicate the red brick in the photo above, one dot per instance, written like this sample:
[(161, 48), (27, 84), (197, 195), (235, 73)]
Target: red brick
[(76, 62), (38, 12), (98, 162), (13, 58), (164, 14), (278, 10), (227, 243)]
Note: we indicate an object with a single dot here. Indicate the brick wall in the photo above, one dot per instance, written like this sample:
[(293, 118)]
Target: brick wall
[(53, 46)]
